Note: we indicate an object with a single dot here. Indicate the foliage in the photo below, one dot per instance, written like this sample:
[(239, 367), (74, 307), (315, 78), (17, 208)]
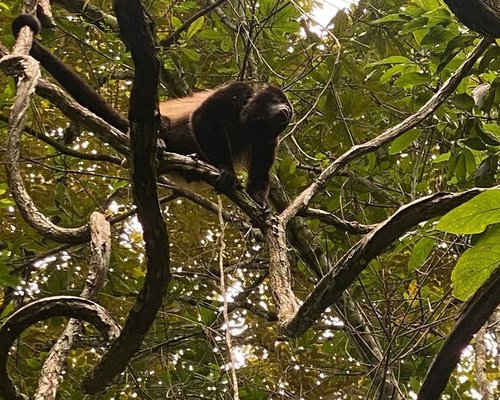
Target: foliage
[(373, 66)]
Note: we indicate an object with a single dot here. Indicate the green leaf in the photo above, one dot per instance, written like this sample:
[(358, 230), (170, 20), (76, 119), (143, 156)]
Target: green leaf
[(442, 158), (6, 279), (195, 27), (404, 141), (465, 164), (207, 315), (391, 60), (476, 264), (437, 35), (190, 54), (463, 101), (7, 202), (473, 216), (415, 24), (420, 252), (227, 44), (492, 129), (176, 22), (390, 18), (411, 79), (387, 75), (212, 34)]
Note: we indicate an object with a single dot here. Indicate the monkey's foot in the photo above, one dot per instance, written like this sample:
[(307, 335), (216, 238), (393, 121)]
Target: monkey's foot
[(260, 198), (227, 182)]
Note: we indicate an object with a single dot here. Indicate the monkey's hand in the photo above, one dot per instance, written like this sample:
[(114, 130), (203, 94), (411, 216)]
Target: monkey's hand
[(227, 182), (161, 147)]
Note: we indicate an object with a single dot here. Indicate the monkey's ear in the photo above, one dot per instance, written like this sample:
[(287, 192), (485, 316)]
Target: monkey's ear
[(25, 20)]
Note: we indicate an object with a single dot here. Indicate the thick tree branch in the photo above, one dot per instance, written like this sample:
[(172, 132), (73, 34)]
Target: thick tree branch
[(52, 369), (333, 284), (57, 306), (481, 358), (474, 315), (144, 123)]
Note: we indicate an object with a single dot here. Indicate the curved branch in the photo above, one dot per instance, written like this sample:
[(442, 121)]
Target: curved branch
[(474, 315), (66, 306), (28, 80), (144, 124), (52, 369), (302, 200), (25, 204), (338, 279)]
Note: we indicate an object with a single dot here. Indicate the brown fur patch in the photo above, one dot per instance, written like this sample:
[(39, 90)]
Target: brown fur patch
[(178, 109)]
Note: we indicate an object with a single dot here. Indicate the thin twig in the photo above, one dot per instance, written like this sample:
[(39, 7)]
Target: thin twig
[(225, 313)]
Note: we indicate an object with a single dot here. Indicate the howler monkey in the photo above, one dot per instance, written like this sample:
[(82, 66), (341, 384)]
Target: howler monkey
[(232, 126)]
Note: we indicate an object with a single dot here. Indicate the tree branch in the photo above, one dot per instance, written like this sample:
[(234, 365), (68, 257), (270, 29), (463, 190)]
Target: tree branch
[(144, 123), (39, 310), (333, 284), (302, 200), (474, 315), (173, 37), (279, 262), (28, 72), (51, 373)]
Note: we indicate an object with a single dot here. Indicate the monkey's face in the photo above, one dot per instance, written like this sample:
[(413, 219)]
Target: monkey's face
[(268, 110)]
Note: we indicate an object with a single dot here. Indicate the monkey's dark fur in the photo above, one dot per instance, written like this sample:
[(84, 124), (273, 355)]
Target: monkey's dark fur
[(229, 127)]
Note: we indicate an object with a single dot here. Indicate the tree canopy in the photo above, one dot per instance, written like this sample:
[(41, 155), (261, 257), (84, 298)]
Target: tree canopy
[(375, 272)]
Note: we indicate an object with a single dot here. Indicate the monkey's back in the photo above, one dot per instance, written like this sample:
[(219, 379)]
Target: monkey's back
[(180, 138)]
